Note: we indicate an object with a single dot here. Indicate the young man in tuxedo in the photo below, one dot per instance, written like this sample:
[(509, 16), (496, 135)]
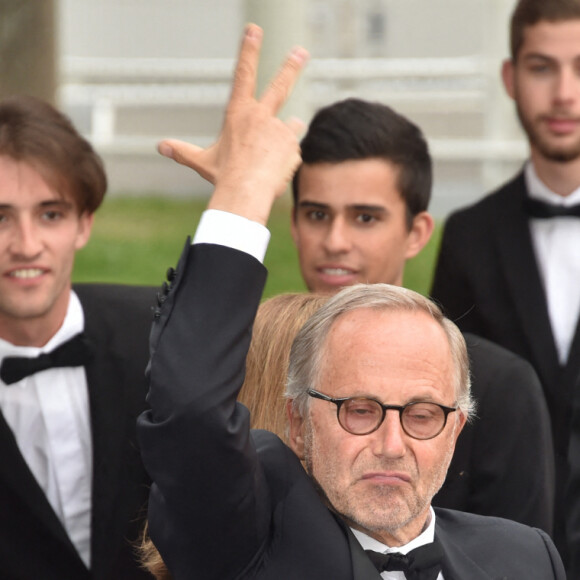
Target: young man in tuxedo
[(509, 265), (360, 212), (378, 393), (72, 486)]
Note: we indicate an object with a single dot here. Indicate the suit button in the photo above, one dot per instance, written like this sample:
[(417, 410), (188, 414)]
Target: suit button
[(170, 274)]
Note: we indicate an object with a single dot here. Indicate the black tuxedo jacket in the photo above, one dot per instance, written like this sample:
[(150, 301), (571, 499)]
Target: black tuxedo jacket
[(487, 280), (511, 428), (230, 503), (33, 542)]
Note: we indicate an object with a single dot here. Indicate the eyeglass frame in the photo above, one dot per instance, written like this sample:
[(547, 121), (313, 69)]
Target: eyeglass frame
[(401, 408)]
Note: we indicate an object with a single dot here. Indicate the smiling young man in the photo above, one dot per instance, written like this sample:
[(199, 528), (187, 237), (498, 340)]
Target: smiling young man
[(40, 232), (72, 363), (378, 393), (509, 265), (360, 196)]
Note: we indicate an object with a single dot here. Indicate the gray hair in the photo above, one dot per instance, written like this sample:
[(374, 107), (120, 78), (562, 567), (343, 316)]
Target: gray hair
[(308, 347)]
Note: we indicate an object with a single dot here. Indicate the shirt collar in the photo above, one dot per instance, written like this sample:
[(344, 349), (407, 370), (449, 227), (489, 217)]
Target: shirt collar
[(538, 190), (73, 323), (427, 536)]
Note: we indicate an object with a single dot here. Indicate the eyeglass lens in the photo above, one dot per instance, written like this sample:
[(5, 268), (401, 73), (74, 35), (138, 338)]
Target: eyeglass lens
[(419, 420)]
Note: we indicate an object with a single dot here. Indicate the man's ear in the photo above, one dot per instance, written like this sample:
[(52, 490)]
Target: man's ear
[(508, 77), (85, 226), (296, 424), (420, 233), (461, 421), (294, 225)]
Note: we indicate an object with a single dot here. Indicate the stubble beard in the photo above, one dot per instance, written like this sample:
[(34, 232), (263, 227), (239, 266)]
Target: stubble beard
[(555, 153), (388, 509)]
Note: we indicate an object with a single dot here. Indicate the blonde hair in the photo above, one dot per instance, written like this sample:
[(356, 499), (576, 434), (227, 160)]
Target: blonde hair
[(277, 322)]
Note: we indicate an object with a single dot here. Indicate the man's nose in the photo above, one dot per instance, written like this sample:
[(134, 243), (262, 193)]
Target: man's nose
[(26, 242), (388, 439), (568, 86), (338, 239)]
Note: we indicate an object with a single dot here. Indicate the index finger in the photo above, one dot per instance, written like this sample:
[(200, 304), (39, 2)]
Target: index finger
[(244, 84), (281, 85)]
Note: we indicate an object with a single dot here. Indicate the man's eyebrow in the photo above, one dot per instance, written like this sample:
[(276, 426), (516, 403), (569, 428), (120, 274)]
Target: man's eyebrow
[(357, 207), (56, 203), (43, 204), (313, 204), (538, 56), (369, 208)]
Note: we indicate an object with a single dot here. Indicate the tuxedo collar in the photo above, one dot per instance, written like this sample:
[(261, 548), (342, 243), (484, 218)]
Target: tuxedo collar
[(457, 565), (516, 258), (518, 263)]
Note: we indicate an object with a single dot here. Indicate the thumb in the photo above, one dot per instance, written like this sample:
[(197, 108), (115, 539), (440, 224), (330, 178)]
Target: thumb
[(185, 154)]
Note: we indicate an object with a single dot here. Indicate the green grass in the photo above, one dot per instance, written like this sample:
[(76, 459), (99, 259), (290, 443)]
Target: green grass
[(135, 240)]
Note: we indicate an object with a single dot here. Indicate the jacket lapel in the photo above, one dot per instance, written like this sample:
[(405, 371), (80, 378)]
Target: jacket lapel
[(362, 567), (571, 372), (104, 374), (518, 262), (15, 475), (456, 564)]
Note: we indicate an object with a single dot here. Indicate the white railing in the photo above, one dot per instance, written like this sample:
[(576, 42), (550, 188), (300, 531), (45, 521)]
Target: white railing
[(427, 85)]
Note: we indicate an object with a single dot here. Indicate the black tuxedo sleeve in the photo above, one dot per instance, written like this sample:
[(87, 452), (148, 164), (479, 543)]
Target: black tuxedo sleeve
[(209, 491)]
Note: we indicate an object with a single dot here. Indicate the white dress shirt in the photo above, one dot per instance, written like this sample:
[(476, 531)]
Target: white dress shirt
[(234, 231), (426, 537), (48, 413), (557, 248)]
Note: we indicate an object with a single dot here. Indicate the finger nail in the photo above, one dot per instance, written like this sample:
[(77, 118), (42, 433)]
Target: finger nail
[(165, 149), (300, 54), (253, 31)]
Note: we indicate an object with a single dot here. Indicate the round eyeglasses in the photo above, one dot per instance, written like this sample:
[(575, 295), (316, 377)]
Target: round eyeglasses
[(362, 415)]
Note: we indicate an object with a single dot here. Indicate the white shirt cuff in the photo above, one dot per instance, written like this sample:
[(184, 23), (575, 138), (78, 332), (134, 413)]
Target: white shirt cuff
[(234, 231)]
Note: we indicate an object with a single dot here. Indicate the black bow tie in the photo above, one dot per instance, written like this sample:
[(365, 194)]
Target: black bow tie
[(422, 563), (72, 353), (541, 209)]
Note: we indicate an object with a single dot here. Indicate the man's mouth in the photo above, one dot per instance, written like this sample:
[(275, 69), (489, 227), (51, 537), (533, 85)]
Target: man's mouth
[(561, 125), (336, 271), (25, 273), (390, 477)]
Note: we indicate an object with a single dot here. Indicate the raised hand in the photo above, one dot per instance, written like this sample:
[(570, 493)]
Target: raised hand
[(256, 154)]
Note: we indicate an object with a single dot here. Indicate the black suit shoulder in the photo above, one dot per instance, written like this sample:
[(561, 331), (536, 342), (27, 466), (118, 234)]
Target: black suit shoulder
[(470, 538), (114, 304), (485, 210), (481, 478), (120, 317), (467, 281)]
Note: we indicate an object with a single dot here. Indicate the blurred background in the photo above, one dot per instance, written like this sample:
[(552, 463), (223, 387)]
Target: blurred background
[(129, 72)]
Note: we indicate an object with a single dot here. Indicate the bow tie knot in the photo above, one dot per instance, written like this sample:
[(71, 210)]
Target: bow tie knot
[(540, 209), (422, 563), (72, 353)]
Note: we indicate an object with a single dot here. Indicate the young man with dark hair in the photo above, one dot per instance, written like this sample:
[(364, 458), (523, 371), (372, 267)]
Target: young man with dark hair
[(366, 169), (72, 486), (509, 265)]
